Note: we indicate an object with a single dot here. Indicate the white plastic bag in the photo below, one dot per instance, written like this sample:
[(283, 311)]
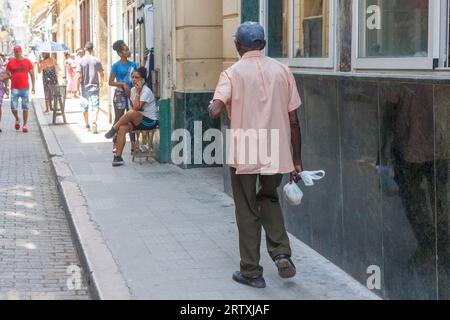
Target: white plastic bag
[(293, 194), (308, 177)]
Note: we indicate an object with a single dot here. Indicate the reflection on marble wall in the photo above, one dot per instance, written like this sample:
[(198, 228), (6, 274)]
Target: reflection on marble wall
[(407, 156), (385, 144)]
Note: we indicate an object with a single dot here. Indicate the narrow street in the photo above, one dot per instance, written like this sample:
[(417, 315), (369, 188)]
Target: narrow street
[(285, 150), (36, 247), (170, 233)]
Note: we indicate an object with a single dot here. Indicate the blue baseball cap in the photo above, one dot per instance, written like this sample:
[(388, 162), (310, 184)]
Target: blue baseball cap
[(250, 35)]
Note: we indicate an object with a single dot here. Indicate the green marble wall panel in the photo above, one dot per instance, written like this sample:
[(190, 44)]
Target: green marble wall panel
[(191, 107)]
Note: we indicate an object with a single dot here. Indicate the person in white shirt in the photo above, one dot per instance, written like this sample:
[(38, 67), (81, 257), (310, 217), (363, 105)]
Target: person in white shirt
[(143, 116)]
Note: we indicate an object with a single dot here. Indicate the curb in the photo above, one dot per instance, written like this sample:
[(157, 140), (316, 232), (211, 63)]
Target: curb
[(104, 278)]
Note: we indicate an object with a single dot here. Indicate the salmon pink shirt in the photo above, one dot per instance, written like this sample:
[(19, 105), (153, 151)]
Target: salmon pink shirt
[(259, 92)]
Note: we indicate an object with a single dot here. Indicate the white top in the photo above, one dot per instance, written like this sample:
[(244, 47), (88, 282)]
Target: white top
[(149, 110)]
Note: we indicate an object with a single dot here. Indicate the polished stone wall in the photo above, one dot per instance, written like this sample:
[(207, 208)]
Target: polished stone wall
[(385, 145)]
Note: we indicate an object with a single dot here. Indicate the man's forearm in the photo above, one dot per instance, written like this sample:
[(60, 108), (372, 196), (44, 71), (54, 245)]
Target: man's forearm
[(33, 80), (296, 139), (102, 78)]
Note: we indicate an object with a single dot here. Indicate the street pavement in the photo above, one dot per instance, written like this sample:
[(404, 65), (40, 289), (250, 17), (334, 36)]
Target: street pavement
[(172, 232), (37, 254)]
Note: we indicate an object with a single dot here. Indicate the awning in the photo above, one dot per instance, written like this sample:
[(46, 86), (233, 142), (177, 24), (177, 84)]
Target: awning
[(39, 18), (37, 6)]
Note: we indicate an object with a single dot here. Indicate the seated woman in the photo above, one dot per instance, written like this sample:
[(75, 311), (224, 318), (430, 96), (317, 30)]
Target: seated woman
[(142, 116)]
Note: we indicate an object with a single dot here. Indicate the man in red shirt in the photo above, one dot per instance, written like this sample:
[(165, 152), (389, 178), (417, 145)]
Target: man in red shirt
[(18, 70)]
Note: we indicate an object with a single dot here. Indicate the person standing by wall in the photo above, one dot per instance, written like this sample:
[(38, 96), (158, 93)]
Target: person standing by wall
[(90, 78), (121, 78), (260, 94), (18, 70), (49, 69), (70, 75)]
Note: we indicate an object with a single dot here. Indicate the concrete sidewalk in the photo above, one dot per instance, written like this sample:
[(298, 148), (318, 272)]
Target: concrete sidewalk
[(166, 233)]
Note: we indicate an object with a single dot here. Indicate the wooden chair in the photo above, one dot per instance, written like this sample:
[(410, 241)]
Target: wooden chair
[(144, 144)]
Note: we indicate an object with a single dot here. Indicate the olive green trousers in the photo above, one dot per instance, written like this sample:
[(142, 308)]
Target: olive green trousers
[(258, 207)]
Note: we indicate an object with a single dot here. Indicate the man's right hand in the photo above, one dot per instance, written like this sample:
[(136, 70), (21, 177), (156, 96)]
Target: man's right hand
[(215, 109), (295, 175)]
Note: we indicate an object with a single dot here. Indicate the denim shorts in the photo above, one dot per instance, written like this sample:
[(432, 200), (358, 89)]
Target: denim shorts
[(90, 99), (24, 95)]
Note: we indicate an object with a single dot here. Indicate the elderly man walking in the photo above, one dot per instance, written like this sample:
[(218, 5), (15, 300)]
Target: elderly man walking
[(260, 94)]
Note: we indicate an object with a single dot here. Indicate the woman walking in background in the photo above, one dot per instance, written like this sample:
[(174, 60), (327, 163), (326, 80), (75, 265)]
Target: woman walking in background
[(121, 78), (70, 76), (49, 69)]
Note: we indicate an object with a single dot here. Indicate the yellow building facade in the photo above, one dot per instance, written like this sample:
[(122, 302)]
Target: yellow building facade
[(203, 41), (67, 24)]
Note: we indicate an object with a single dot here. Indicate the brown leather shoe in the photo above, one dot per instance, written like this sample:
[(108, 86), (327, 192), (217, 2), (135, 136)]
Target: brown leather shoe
[(286, 268)]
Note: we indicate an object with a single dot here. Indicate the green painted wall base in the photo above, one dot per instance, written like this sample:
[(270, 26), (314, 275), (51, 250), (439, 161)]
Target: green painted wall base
[(165, 132)]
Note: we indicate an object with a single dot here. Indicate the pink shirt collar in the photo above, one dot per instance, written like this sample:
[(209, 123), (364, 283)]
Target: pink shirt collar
[(252, 54)]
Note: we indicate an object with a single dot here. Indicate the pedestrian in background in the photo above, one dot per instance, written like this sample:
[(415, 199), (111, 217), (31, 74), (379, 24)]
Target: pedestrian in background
[(121, 78), (3, 59), (260, 93), (78, 55), (90, 79), (70, 75), (18, 70), (49, 69), (3, 88), (33, 59)]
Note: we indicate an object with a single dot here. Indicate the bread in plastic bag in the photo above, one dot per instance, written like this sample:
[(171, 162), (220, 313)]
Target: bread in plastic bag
[(293, 194)]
